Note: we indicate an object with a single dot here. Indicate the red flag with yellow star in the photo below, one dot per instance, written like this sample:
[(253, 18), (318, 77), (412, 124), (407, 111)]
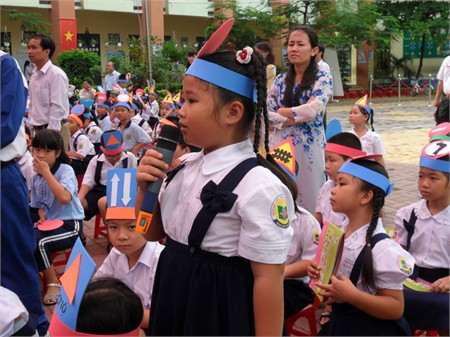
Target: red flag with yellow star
[(68, 33)]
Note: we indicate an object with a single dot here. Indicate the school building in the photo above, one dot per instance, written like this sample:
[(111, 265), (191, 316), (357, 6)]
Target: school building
[(105, 27)]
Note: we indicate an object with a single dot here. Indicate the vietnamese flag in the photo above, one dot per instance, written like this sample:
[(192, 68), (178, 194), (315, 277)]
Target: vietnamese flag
[(68, 33)]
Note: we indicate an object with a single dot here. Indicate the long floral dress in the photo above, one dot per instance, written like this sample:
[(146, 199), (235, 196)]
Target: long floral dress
[(308, 134)]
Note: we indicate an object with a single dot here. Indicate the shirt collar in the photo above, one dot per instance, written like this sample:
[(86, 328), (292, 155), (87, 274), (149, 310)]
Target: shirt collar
[(46, 66), (226, 156), (75, 134), (423, 213), (146, 255)]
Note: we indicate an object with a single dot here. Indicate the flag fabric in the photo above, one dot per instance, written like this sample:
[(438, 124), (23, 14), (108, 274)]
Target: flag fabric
[(68, 33)]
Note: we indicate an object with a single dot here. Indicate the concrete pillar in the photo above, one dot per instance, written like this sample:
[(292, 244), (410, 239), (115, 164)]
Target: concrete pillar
[(60, 9), (155, 13), (278, 42)]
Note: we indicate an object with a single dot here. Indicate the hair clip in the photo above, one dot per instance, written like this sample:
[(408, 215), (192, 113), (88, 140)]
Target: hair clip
[(244, 56)]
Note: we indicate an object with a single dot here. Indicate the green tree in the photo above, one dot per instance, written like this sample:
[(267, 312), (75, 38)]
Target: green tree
[(423, 18), (30, 21), (79, 65)]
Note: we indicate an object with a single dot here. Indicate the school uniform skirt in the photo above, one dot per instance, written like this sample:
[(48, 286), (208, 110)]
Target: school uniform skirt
[(201, 293), (347, 320)]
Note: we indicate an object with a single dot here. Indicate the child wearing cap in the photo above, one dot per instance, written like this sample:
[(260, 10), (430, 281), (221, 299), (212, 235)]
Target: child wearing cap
[(81, 149), (136, 118), (361, 117), (423, 228), (132, 259), (339, 149), (366, 292), (134, 137), (115, 91), (150, 110), (93, 187), (104, 120), (123, 83), (92, 130)]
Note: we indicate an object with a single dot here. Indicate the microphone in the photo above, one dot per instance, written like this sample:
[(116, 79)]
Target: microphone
[(166, 145)]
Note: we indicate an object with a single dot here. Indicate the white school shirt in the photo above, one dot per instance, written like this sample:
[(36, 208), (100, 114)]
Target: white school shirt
[(137, 119), (444, 75), (371, 142), (105, 123), (132, 135), (140, 278), (306, 237), (26, 167), (89, 176), (84, 145), (323, 207), (391, 263), (93, 132), (430, 243), (252, 228)]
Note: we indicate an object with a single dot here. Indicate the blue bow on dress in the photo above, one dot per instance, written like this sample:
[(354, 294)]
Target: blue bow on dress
[(215, 199)]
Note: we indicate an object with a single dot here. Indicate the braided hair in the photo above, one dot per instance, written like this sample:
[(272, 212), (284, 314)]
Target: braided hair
[(367, 278), (309, 77), (370, 116), (256, 115)]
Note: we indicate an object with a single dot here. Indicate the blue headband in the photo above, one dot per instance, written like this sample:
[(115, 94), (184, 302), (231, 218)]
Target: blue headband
[(104, 105), (435, 164), (367, 175), (122, 81), (224, 78), (126, 105)]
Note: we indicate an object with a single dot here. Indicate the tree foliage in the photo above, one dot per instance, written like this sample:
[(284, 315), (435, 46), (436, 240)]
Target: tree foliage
[(423, 18), (30, 21), (79, 65)]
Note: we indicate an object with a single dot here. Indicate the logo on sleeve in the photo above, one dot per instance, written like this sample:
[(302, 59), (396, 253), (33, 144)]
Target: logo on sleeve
[(280, 212), (316, 236), (404, 267)]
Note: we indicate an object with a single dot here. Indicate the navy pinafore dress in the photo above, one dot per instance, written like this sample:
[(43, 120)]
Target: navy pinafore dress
[(203, 293), (347, 320)]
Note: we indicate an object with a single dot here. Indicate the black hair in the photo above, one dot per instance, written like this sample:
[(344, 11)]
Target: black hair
[(254, 112), (122, 76), (46, 43), (367, 278), (365, 113), (346, 139), (265, 47), (87, 80), (25, 65), (28, 131), (309, 77), (50, 140), (192, 53), (109, 307), (321, 50)]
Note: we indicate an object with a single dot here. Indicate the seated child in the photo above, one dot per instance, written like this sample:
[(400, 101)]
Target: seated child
[(93, 187), (150, 110), (81, 149), (133, 259), (339, 149), (54, 191), (92, 130), (133, 136), (361, 116), (423, 228), (136, 118), (102, 110)]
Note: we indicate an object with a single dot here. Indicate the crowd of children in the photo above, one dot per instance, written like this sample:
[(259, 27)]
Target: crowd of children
[(230, 249)]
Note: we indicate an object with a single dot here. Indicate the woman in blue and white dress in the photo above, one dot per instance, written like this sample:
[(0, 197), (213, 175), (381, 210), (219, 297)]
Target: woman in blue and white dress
[(296, 104)]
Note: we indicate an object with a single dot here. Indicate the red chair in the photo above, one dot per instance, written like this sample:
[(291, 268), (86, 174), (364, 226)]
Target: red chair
[(59, 258), (426, 333), (294, 326), (100, 228)]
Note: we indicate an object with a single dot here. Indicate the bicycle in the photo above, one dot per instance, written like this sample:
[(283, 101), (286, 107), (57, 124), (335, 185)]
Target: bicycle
[(425, 88)]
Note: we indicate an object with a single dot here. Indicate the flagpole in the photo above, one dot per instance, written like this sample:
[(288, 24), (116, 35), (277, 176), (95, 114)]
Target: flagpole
[(149, 45)]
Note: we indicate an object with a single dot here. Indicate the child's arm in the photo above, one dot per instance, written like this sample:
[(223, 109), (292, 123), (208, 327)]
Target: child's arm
[(380, 160), (319, 218), (84, 190), (75, 155), (135, 149), (441, 285), (145, 318), (296, 269), (386, 304), (61, 194), (268, 298)]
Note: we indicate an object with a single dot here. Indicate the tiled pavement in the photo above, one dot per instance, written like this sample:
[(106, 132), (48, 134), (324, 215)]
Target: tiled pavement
[(403, 128)]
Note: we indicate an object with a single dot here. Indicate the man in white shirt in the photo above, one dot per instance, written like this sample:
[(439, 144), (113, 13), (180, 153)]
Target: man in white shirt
[(49, 89), (111, 78), (442, 112)]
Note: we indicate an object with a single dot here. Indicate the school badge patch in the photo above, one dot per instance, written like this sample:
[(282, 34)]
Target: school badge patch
[(279, 212), (316, 236), (404, 267)]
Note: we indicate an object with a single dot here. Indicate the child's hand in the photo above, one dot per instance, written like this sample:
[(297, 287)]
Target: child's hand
[(441, 285), (40, 166), (313, 270), (151, 168), (340, 290)]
